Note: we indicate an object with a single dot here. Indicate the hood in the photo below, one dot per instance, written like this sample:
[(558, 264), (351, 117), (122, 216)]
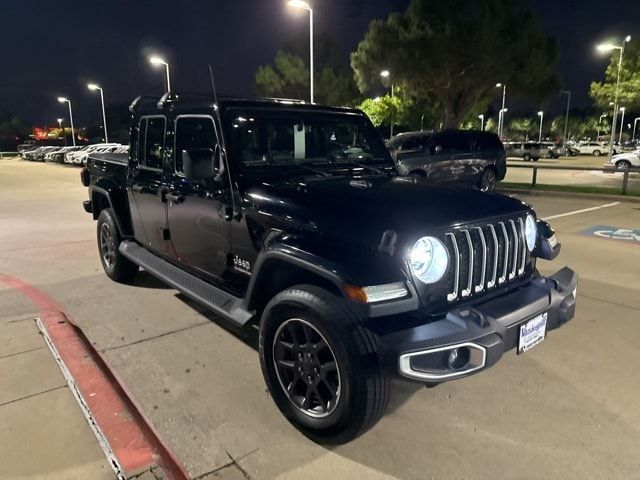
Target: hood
[(359, 211)]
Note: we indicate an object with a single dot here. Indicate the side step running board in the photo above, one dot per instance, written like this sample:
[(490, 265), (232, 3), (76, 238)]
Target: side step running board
[(215, 299)]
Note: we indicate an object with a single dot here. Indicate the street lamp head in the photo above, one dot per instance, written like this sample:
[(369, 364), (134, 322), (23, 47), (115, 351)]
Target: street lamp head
[(155, 60), (63, 99), (301, 4), (540, 113), (622, 109), (93, 87), (505, 110), (498, 85), (59, 120), (385, 73), (481, 115), (627, 39), (607, 47)]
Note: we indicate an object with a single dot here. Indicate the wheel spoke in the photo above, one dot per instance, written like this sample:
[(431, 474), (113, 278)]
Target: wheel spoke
[(286, 364), (307, 334), (286, 345), (328, 367), (306, 403)]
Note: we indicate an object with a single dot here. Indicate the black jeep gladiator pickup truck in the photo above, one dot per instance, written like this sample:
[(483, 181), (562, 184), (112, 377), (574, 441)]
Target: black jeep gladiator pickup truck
[(291, 216)]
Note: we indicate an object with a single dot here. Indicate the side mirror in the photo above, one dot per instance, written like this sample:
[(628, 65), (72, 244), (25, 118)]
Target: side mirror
[(198, 163)]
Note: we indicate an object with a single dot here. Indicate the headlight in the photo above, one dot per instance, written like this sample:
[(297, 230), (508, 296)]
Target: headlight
[(429, 259), (530, 232)]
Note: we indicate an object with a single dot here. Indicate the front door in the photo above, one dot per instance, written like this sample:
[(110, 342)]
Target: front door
[(198, 210), (146, 185)]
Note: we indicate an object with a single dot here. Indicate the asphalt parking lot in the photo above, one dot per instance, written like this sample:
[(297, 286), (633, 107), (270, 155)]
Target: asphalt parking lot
[(568, 409)]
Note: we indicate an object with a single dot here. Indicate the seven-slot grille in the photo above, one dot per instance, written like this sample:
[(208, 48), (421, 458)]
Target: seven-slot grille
[(484, 257)]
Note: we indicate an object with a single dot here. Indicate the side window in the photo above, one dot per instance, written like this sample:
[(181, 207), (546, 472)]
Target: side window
[(154, 143), (194, 134), (412, 143)]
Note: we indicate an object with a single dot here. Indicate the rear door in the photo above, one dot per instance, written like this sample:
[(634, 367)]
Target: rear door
[(198, 211), (146, 178), (443, 148)]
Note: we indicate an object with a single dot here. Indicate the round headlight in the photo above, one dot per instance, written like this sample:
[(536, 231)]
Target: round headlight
[(429, 259), (530, 232)]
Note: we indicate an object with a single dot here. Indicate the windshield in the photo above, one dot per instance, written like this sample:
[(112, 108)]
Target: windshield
[(275, 138)]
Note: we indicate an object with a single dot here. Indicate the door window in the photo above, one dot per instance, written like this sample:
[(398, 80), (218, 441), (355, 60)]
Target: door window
[(153, 146), (194, 133)]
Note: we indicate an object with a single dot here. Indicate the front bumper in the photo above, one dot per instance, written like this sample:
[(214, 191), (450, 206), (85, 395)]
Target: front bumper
[(483, 331)]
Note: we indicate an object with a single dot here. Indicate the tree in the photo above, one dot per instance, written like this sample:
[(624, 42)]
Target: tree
[(410, 113), (629, 96), (457, 50), (289, 77), (12, 130)]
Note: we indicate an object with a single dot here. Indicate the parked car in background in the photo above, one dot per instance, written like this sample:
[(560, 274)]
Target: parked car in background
[(626, 160), (468, 157), (528, 151), (550, 150), (37, 154), (58, 155), (79, 157), (591, 148)]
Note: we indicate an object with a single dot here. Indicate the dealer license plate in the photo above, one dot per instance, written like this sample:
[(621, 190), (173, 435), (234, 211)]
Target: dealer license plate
[(532, 333)]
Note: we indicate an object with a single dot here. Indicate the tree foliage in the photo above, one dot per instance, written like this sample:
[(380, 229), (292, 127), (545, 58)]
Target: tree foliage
[(604, 92), (288, 76), (405, 111), (457, 50)]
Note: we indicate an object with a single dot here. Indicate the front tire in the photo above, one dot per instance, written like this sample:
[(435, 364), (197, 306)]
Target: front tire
[(320, 365), (115, 265), (597, 153), (623, 165), (526, 157)]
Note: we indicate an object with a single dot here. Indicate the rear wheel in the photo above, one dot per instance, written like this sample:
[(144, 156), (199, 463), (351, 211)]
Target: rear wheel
[(320, 365), (115, 265), (526, 157), (487, 181), (597, 153)]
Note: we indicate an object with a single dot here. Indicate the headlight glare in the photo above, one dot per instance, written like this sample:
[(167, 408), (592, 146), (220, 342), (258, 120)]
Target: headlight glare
[(429, 259), (530, 232)]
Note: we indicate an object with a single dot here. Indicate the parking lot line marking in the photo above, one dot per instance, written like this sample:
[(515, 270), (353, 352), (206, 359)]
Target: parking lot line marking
[(584, 210)]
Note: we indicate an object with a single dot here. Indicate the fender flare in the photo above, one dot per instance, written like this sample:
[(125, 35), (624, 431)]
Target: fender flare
[(100, 190)]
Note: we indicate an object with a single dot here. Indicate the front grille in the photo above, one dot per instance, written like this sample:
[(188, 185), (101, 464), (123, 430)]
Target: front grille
[(484, 257)]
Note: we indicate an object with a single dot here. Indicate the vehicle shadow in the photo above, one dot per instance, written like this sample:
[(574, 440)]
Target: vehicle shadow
[(401, 390), (146, 280)]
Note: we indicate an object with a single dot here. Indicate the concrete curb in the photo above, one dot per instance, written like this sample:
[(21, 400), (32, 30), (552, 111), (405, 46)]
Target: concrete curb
[(577, 196)]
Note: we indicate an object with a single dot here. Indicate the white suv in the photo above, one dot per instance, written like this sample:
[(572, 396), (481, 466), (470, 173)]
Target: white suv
[(623, 161), (592, 148), (79, 157)]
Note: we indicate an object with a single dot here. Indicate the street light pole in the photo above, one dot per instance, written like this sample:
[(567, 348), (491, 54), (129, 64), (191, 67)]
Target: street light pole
[(502, 110), (481, 117), (303, 5), (386, 74), (608, 48), (93, 87), (73, 132), (622, 109), (63, 134), (160, 61), (541, 115), (600, 122), (635, 122), (566, 118)]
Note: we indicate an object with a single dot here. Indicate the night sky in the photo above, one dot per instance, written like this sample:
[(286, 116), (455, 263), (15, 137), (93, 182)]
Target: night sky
[(54, 48)]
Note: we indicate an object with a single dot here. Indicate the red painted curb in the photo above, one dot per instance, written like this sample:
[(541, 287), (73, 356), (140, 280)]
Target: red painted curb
[(129, 435)]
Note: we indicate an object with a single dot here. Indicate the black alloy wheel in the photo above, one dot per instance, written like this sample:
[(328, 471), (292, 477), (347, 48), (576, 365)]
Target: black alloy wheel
[(623, 165), (115, 265), (306, 368), (107, 246)]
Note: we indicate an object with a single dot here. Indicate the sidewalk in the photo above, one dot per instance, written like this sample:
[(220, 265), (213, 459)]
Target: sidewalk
[(43, 433)]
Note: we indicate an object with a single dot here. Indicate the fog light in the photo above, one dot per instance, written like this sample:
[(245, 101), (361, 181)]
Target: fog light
[(458, 358)]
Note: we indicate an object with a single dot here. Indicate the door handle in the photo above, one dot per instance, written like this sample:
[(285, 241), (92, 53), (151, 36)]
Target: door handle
[(174, 198)]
